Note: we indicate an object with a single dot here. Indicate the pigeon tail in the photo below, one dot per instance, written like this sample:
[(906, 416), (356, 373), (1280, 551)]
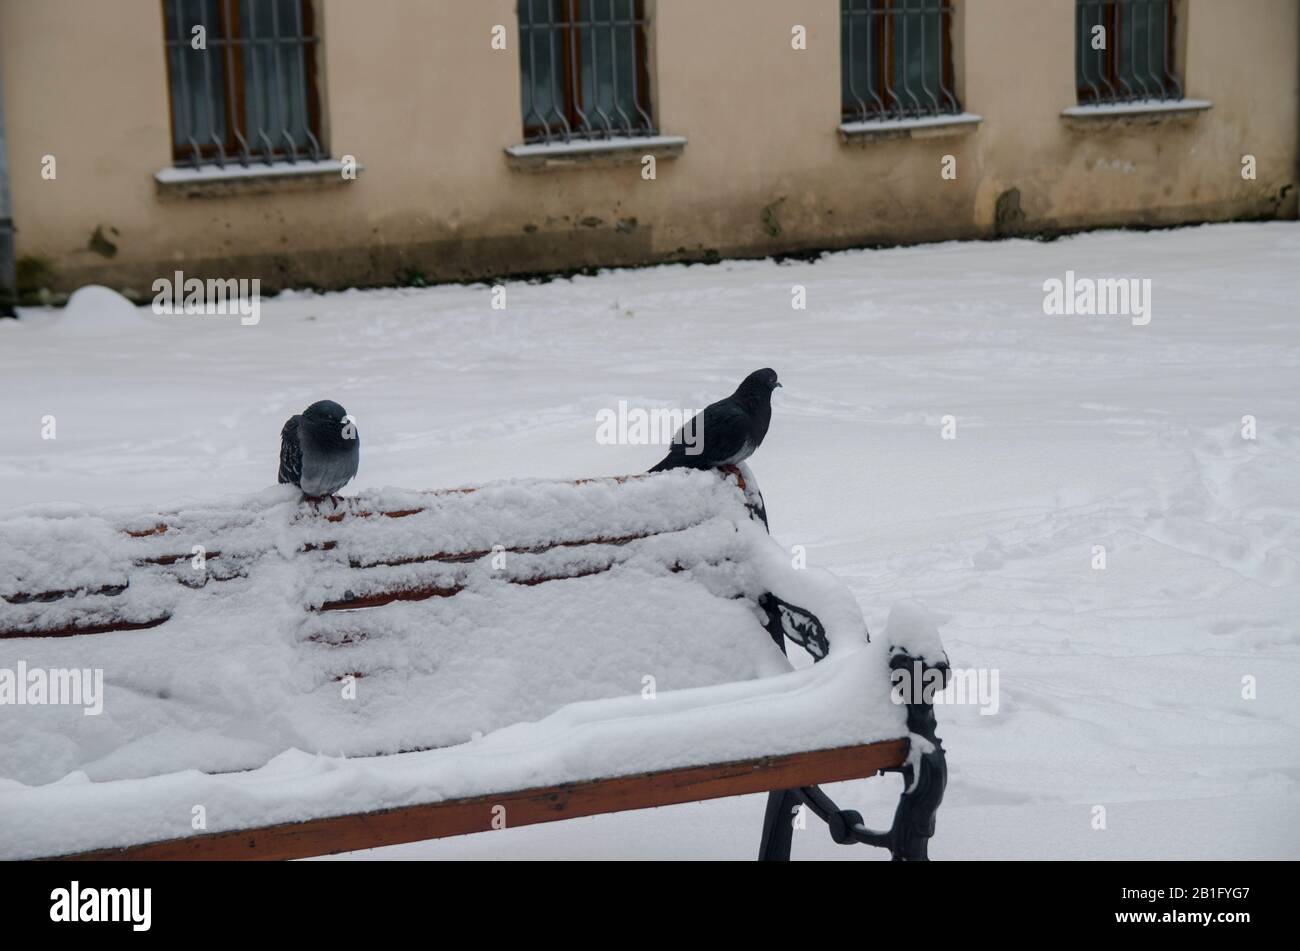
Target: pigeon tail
[(290, 470), (677, 458)]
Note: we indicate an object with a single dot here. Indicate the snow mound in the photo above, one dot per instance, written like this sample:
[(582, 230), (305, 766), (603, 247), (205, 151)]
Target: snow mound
[(96, 309), (914, 631)]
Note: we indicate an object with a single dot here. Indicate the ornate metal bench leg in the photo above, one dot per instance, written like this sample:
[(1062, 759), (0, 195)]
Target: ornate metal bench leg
[(778, 826), (926, 772)]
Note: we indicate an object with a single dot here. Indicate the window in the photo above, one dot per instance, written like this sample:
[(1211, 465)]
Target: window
[(1123, 51), (583, 68), (895, 59), (248, 91)]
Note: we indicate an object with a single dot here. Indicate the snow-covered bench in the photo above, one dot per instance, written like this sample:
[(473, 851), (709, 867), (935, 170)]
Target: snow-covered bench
[(282, 679)]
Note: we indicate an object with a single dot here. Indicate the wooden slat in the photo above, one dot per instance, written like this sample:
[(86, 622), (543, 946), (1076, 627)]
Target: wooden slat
[(451, 557), (379, 598), (173, 559), (465, 557), (72, 630), (316, 506), (370, 830), (447, 557), (384, 596), (44, 597)]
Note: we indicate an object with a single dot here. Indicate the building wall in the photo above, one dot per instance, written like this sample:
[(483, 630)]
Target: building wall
[(414, 90)]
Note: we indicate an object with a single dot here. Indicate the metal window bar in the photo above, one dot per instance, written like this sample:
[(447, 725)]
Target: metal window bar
[(250, 94), (896, 59), (584, 69), (1135, 58)]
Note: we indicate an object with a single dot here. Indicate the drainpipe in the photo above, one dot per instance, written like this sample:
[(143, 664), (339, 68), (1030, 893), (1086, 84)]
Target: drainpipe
[(8, 275)]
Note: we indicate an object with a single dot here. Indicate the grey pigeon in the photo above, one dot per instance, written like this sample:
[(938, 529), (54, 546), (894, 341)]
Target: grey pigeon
[(728, 431), (319, 449)]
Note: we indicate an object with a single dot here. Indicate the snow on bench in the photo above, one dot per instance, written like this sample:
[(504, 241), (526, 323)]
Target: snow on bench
[(283, 679)]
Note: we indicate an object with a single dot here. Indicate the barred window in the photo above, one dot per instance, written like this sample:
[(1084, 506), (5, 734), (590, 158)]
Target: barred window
[(242, 79), (584, 69), (1124, 51), (896, 59)]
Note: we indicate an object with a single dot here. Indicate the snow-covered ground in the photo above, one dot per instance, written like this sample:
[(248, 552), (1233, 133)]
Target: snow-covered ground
[(1120, 688)]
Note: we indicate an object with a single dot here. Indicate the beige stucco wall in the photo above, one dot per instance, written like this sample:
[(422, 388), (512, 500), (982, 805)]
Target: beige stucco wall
[(413, 89)]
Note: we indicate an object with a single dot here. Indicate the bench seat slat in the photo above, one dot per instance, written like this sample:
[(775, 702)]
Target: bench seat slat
[(106, 626), (368, 830)]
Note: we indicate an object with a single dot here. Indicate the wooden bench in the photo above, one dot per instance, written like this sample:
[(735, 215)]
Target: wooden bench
[(518, 653)]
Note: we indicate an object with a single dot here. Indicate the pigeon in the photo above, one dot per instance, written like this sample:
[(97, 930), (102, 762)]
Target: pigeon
[(319, 449), (728, 431)]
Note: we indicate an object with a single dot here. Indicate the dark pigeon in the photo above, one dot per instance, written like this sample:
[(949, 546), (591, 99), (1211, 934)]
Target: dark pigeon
[(728, 431), (319, 449)]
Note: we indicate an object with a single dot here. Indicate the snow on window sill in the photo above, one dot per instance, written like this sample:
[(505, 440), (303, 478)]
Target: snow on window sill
[(213, 179), (1144, 109), (922, 127), (540, 155)]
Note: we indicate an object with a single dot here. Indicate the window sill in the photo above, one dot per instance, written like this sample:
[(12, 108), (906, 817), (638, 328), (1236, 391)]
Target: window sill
[(252, 179), (924, 127), (576, 154), (1143, 111)]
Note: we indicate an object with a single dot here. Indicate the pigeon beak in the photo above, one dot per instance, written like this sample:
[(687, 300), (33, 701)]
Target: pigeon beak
[(778, 384)]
